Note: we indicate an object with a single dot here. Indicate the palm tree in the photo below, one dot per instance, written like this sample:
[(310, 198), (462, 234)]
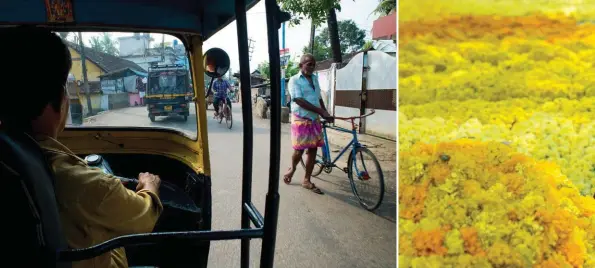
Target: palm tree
[(386, 7)]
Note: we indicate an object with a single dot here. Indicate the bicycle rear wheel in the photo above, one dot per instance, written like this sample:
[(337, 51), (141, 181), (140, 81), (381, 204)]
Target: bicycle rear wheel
[(366, 178), (228, 118), (318, 167)]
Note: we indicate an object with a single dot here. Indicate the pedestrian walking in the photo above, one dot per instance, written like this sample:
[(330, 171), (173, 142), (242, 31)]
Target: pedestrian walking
[(306, 128)]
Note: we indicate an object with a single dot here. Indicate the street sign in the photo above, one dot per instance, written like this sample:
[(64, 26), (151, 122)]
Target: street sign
[(283, 51), (284, 60)]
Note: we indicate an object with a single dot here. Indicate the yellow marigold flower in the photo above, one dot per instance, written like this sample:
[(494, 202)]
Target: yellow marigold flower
[(495, 208)]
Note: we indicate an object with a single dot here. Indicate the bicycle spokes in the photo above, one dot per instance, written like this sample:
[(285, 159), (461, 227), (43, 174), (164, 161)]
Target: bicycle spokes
[(367, 180)]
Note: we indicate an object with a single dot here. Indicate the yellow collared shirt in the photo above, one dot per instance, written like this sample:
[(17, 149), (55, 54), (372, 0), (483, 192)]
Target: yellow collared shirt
[(95, 207)]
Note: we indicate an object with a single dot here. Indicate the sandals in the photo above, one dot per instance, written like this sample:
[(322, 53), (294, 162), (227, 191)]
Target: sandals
[(287, 178), (312, 187), (309, 185)]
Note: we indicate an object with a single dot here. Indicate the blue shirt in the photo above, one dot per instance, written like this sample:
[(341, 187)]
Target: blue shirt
[(220, 87), (299, 87)]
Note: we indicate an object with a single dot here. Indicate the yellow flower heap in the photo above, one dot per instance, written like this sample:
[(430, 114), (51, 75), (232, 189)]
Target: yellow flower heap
[(481, 204), (525, 80)]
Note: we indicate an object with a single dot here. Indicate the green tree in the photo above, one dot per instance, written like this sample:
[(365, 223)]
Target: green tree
[(321, 51), (368, 45), (264, 69), (104, 43), (109, 44), (318, 11), (385, 7), (96, 43), (291, 69), (351, 40)]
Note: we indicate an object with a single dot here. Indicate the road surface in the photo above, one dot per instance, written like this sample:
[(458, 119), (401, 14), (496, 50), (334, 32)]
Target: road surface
[(329, 230)]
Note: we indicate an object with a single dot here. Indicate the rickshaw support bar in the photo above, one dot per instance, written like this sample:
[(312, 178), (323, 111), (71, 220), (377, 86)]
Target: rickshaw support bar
[(245, 87), (254, 214), (271, 211), (155, 238)]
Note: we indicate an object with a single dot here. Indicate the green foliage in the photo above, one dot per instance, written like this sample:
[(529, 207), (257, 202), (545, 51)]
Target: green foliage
[(385, 7), (315, 10), (105, 44), (264, 69), (368, 45), (291, 69), (351, 38)]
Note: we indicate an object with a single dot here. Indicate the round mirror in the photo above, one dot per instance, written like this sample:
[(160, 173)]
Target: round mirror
[(216, 62)]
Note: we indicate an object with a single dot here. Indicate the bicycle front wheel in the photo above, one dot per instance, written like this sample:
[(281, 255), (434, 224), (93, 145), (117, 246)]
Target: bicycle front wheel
[(366, 178), (317, 165)]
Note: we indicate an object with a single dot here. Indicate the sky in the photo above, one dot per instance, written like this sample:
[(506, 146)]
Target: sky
[(296, 37)]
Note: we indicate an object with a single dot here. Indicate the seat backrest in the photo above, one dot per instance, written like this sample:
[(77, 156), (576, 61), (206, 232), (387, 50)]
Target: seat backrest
[(28, 203)]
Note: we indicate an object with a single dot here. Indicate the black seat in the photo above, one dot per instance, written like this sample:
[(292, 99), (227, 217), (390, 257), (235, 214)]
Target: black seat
[(30, 221)]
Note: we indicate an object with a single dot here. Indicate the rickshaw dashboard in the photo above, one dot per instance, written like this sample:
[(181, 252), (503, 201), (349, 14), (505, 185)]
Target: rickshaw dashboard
[(176, 194)]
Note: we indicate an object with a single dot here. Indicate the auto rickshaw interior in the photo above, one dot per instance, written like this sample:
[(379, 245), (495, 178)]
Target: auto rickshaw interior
[(183, 233)]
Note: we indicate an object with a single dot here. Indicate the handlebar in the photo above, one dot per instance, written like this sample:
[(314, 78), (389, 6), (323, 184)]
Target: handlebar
[(351, 119), (128, 182), (355, 117)]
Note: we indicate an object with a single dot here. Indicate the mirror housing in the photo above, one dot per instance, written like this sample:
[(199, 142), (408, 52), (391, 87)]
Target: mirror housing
[(216, 62)]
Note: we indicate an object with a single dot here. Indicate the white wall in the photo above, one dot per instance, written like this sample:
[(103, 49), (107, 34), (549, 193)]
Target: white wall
[(382, 75), (350, 77), (130, 45)]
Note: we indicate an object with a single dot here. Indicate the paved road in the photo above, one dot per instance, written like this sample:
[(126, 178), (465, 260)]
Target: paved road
[(328, 230)]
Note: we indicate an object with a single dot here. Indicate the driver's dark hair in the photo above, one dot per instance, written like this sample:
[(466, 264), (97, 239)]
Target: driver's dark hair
[(34, 70)]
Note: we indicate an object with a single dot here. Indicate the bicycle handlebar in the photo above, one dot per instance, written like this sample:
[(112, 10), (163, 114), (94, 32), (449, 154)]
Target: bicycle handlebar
[(355, 117)]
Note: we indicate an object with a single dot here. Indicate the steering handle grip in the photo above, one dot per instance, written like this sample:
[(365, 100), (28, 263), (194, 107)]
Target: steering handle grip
[(128, 181)]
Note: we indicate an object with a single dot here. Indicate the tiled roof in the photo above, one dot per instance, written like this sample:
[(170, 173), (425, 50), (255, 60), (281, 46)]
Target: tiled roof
[(106, 62)]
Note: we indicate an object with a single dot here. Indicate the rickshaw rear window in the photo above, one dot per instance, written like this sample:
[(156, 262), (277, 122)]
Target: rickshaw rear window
[(122, 69)]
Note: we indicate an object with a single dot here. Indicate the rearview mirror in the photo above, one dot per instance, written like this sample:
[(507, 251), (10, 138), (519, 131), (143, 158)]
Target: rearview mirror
[(216, 62)]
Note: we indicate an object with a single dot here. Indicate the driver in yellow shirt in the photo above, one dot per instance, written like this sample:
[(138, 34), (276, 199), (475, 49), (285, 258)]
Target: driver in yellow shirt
[(94, 206)]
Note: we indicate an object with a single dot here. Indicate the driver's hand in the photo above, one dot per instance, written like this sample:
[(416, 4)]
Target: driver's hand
[(148, 181)]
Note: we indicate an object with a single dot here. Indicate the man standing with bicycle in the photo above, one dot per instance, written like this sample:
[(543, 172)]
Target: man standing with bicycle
[(221, 88), (306, 128)]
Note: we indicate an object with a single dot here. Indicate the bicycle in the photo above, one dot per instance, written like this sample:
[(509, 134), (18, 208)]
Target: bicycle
[(324, 162), (225, 112)]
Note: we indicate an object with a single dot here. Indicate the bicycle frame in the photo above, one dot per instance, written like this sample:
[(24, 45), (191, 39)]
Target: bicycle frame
[(326, 154), (353, 144)]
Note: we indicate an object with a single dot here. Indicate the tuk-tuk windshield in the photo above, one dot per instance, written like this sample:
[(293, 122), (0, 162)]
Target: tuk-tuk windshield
[(168, 82), (117, 83)]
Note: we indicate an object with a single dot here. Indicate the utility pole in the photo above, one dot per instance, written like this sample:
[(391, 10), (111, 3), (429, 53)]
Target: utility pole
[(163, 48), (85, 80), (250, 48), (283, 99)]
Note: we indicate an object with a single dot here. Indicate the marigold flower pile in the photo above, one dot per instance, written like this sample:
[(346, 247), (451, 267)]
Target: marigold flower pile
[(497, 142), (481, 204)]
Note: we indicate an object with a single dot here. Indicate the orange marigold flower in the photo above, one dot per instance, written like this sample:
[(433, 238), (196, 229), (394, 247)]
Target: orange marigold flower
[(430, 242), (471, 241)]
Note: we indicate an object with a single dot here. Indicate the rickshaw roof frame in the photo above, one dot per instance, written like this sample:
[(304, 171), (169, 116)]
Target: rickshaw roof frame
[(203, 17), (11, 13)]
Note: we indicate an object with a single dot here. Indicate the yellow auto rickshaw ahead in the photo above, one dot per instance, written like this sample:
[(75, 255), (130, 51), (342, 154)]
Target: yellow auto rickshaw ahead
[(116, 137)]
